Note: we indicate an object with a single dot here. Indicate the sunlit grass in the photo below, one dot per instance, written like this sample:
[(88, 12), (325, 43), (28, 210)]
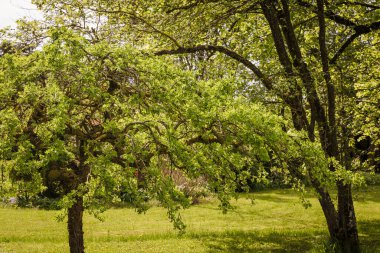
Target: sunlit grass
[(275, 222)]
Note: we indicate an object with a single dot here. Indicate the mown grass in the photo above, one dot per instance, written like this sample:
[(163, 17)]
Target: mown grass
[(276, 222)]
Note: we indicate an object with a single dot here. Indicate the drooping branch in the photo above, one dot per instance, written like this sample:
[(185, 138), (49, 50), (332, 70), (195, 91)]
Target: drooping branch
[(186, 50), (293, 101)]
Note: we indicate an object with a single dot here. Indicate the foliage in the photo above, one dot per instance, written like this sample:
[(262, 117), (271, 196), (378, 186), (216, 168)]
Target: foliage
[(65, 130), (81, 119), (273, 85)]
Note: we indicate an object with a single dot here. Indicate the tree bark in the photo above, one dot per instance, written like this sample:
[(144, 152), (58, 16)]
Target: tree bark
[(347, 236), (328, 208), (342, 224), (75, 212), (75, 226)]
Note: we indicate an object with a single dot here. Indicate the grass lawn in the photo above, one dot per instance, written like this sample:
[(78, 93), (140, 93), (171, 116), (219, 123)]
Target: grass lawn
[(276, 222)]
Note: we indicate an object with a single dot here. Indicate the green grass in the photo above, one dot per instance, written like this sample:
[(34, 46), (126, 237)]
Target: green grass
[(276, 222)]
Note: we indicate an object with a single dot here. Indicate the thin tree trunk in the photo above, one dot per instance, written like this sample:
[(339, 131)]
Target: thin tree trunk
[(329, 211), (75, 226)]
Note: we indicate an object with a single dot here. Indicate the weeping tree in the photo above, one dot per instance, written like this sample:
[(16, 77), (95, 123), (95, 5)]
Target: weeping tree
[(310, 58), (78, 118)]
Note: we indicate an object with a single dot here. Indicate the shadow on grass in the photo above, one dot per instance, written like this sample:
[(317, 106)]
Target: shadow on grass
[(277, 198), (369, 232), (284, 241), (366, 194), (239, 241)]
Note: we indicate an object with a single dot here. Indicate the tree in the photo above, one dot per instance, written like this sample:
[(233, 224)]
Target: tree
[(298, 52), (77, 118), (84, 118)]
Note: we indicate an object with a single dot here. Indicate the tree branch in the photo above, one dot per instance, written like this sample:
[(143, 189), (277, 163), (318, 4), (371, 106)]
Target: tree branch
[(282, 28), (182, 50), (189, 6), (359, 30), (343, 47), (200, 139), (329, 14), (371, 6), (332, 148), (142, 20)]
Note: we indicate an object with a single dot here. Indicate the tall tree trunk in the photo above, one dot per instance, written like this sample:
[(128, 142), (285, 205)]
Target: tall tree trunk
[(347, 234), (75, 226), (341, 221)]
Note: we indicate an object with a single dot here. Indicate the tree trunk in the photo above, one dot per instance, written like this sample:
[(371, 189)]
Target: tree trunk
[(347, 236), (341, 221), (330, 213), (75, 226), (342, 224)]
